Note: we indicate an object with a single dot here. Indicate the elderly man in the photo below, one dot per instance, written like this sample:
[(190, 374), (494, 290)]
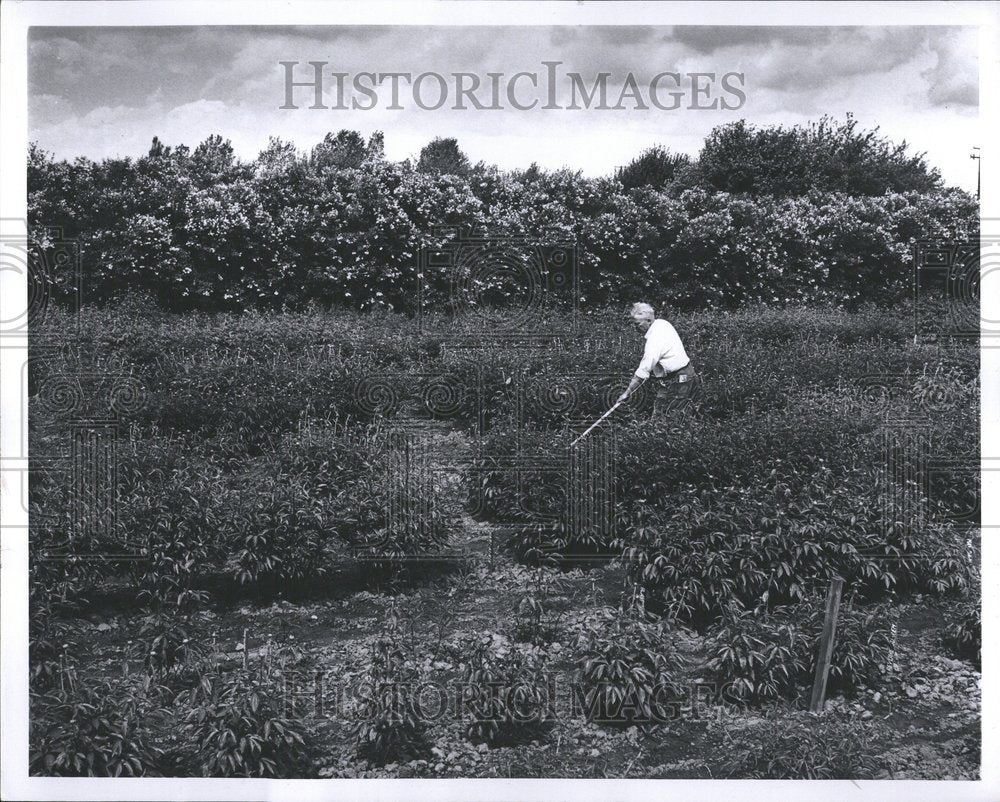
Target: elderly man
[(665, 358)]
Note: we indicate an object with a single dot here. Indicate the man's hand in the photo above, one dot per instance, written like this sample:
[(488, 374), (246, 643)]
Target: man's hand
[(632, 386)]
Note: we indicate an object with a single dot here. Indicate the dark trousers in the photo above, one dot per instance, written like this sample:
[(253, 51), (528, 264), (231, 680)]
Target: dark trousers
[(676, 392)]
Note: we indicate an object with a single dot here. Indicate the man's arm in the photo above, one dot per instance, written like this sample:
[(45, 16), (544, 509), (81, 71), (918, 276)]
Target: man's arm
[(649, 356), (632, 387)]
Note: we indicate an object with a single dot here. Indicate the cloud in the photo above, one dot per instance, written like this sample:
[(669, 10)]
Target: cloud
[(954, 79), (706, 39), (843, 54), (624, 34), (108, 91)]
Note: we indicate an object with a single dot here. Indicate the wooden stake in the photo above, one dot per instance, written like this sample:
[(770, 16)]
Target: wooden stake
[(826, 646), (245, 656)]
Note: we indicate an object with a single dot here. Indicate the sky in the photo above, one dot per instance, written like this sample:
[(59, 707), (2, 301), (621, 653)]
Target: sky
[(100, 92)]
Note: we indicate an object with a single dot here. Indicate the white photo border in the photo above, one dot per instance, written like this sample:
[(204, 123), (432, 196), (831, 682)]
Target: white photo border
[(17, 17)]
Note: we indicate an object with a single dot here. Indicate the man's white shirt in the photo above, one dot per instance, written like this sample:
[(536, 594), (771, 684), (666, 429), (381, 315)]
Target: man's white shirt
[(664, 352)]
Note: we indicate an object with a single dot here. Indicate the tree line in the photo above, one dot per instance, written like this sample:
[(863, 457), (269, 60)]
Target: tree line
[(825, 213)]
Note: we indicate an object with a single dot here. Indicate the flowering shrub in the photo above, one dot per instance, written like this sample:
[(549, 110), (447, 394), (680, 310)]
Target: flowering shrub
[(282, 232)]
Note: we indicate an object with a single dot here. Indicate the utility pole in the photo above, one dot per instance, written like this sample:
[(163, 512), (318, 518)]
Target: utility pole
[(979, 169)]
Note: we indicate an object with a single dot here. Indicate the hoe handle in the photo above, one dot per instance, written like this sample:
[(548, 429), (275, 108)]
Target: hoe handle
[(595, 423)]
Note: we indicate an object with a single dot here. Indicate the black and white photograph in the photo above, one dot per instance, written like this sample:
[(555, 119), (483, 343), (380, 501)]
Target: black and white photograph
[(498, 398)]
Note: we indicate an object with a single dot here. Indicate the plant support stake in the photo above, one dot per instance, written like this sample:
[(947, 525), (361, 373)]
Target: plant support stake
[(826, 646)]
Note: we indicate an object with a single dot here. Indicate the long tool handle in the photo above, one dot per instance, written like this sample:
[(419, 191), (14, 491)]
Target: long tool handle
[(594, 425)]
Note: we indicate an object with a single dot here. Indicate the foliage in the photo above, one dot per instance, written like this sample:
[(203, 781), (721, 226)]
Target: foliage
[(53, 600), (536, 620), (760, 659), (769, 546), (237, 730), (343, 150), (389, 727), (166, 641), (254, 454), (964, 636), (655, 167), (281, 536), (825, 214), (762, 656), (629, 670), (92, 730), (504, 691), (802, 747), (443, 156), (347, 473), (827, 155)]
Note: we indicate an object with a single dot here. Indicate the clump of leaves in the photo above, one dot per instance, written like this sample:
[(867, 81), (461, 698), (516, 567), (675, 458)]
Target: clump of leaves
[(53, 602), (537, 619), (763, 656), (166, 641), (49, 639), (759, 658), (802, 747), (282, 538), (964, 636), (769, 543), (81, 730), (862, 647), (505, 692), (629, 669), (342, 492), (237, 730), (389, 727)]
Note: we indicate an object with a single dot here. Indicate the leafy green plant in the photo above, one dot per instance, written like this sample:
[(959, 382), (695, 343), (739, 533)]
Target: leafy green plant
[(237, 730), (167, 641), (802, 747), (92, 730), (504, 692), (761, 656), (174, 516), (770, 544), (537, 618), (629, 670), (760, 659), (964, 636), (282, 537), (389, 727)]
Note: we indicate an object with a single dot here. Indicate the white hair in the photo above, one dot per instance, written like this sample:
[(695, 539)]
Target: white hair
[(641, 310)]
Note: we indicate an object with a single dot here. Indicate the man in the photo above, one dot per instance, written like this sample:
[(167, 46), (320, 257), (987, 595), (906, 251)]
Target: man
[(665, 358)]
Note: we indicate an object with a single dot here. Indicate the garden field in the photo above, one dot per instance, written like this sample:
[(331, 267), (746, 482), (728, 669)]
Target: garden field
[(342, 543)]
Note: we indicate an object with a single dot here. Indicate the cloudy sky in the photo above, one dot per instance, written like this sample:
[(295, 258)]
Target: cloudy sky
[(107, 91)]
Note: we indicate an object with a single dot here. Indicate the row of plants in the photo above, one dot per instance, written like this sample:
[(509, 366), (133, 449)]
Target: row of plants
[(245, 378), (628, 669), (187, 516), (230, 725)]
